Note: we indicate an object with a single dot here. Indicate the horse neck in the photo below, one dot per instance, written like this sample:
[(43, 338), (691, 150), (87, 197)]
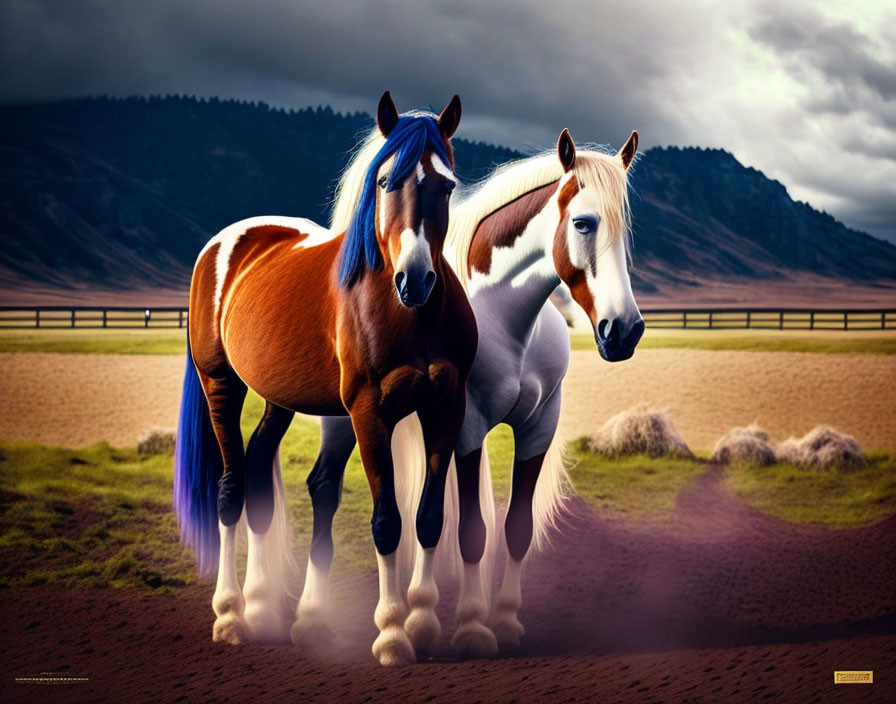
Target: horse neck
[(511, 256)]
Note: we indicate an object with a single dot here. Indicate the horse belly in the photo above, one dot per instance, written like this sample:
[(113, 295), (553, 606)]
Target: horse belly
[(293, 377)]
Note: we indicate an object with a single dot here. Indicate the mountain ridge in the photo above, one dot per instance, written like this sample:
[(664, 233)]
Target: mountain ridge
[(120, 192)]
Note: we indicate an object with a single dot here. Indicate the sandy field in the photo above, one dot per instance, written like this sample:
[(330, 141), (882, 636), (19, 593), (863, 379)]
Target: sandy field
[(79, 399), (707, 392)]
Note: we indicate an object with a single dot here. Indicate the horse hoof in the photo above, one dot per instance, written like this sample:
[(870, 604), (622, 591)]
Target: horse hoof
[(423, 628), (230, 628), (310, 633), (393, 648), (473, 640), (508, 631)]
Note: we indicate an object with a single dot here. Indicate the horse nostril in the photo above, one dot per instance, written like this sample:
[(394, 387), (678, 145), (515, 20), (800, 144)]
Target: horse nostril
[(428, 282), (400, 279), (637, 330), (606, 329)]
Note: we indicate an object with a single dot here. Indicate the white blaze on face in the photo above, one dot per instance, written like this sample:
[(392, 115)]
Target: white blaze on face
[(414, 251), (602, 257)]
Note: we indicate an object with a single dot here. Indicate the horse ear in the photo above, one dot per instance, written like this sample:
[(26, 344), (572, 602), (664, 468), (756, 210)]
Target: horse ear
[(627, 153), (566, 150), (386, 114), (450, 117)]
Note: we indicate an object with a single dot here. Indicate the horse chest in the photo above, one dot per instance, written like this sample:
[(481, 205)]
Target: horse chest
[(408, 387)]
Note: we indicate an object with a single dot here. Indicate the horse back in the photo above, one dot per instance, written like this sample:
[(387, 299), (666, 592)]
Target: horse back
[(263, 305)]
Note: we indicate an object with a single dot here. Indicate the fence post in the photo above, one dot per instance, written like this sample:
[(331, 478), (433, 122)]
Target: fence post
[(748, 319), (710, 320), (684, 319), (781, 320), (180, 318), (73, 317), (36, 317), (883, 320), (104, 317), (845, 320), (146, 318), (811, 319)]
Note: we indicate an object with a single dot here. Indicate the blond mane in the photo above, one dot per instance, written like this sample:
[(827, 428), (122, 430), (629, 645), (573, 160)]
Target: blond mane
[(593, 168), (351, 183)]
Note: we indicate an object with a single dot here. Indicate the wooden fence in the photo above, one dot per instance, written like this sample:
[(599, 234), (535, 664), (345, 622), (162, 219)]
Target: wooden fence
[(690, 318), (772, 318), (54, 317)]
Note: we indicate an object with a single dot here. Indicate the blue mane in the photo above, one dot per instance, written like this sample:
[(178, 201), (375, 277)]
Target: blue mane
[(407, 140)]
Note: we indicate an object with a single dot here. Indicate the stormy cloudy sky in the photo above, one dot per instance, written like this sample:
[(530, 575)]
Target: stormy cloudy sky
[(804, 91)]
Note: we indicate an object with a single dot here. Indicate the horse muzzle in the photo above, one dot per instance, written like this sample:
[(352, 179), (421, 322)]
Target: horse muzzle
[(414, 286), (616, 341)]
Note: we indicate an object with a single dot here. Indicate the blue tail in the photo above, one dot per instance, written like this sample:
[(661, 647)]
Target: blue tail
[(197, 469)]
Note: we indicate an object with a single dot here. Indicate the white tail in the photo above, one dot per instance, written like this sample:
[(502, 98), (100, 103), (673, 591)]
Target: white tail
[(278, 539), (551, 491), (448, 557), (409, 461)]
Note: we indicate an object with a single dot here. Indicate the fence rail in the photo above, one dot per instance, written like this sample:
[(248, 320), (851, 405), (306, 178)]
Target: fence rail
[(118, 317), (772, 318), (50, 317)]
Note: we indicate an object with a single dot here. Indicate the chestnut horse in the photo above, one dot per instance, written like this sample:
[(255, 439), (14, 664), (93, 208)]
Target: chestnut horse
[(559, 217), (368, 321)]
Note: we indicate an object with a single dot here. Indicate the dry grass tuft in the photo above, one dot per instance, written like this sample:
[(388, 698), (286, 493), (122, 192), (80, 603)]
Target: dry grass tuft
[(639, 430), (823, 447), (156, 442), (744, 444)]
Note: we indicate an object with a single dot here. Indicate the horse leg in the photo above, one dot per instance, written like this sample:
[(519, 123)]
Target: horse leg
[(392, 646), (337, 440), (472, 637), (441, 425), (225, 402), (269, 558), (531, 442)]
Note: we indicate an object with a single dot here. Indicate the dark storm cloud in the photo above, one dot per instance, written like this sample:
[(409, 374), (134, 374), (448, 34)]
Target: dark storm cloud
[(510, 61), (681, 73)]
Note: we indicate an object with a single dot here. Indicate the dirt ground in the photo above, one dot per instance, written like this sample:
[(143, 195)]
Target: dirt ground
[(724, 604), (76, 400)]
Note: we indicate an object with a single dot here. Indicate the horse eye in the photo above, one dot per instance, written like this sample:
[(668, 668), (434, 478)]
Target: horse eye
[(448, 186), (383, 182), (584, 226)]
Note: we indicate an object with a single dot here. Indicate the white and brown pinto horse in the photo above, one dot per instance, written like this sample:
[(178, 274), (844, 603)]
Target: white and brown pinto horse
[(558, 217), (369, 322)]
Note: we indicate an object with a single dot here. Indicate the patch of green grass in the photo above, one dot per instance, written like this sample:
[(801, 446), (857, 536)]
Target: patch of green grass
[(638, 486), (819, 342), (88, 517), (830, 498), (109, 341)]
